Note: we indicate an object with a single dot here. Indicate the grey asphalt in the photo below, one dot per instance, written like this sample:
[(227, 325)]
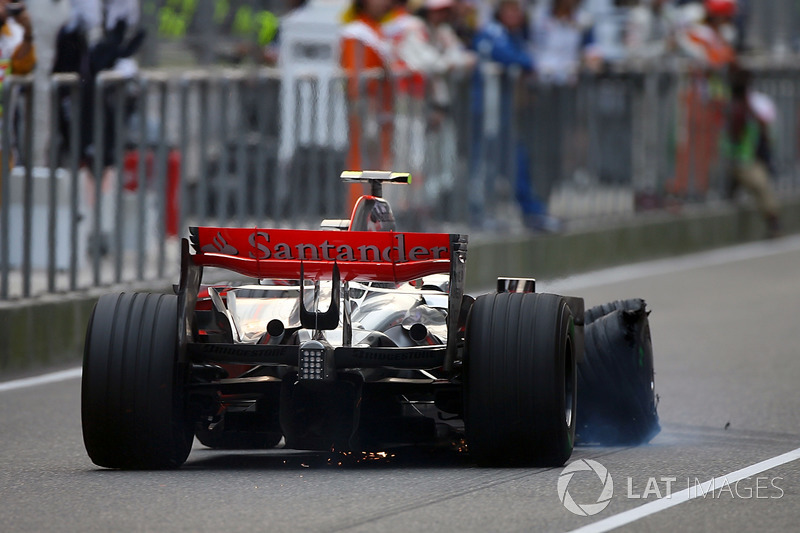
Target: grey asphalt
[(726, 334)]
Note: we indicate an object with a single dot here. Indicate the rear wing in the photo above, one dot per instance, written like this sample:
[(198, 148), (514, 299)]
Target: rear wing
[(317, 255), (358, 255)]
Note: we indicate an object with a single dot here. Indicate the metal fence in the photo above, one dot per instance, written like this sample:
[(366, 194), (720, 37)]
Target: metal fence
[(247, 147)]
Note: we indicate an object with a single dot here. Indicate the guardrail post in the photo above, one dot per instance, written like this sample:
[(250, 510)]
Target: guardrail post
[(201, 192), (161, 182), (53, 196), (142, 226), (98, 168), (5, 184), (27, 239), (183, 200), (120, 93), (242, 138), (222, 181)]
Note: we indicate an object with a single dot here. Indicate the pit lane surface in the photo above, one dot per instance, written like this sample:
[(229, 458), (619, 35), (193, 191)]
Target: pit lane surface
[(725, 332)]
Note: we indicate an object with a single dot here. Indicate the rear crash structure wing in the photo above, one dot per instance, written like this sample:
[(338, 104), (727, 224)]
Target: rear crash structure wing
[(375, 178)]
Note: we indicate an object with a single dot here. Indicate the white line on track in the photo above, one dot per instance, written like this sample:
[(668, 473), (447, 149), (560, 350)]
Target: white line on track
[(626, 517), (34, 381)]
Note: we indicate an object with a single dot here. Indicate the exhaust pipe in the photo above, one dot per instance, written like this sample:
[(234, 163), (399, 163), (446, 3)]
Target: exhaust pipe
[(274, 334), (420, 335)]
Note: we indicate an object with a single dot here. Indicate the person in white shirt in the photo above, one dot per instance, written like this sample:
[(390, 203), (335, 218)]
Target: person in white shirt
[(562, 41)]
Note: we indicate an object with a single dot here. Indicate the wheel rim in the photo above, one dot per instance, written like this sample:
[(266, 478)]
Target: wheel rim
[(569, 384)]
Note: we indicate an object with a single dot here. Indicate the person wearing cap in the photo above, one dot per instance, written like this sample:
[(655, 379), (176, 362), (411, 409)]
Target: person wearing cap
[(709, 44)]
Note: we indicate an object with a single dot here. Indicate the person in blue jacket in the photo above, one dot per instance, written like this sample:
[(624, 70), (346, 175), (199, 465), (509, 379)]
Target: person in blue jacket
[(503, 41)]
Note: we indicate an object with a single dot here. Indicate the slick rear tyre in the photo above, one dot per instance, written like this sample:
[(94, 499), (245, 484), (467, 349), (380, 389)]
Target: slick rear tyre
[(616, 377), (133, 404), (520, 380)]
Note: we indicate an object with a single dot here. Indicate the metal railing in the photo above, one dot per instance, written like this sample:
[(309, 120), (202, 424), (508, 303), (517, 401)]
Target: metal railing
[(248, 147)]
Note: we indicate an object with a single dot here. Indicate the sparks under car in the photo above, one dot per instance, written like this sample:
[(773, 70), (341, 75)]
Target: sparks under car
[(357, 337)]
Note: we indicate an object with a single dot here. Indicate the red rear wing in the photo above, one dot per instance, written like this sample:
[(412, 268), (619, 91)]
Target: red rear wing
[(359, 255)]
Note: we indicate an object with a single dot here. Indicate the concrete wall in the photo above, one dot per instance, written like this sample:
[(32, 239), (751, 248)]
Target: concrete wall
[(647, 236), (50, 331)]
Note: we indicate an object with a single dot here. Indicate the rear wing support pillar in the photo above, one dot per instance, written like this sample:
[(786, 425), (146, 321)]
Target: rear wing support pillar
[(191, 275), (458, 273)]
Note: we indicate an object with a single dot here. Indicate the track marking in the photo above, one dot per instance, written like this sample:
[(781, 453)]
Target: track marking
[(52, 377), (686, 495)]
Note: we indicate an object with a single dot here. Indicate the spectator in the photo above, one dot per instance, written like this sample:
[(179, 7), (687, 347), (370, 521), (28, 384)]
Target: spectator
[(504, 40), (398, 21), (434, 49), (562, 42), (748, 141), (408, 85), (563, 45), (431, 49), (271, 42), (365, 47), (704, 99), (465, 20), (650, 30), (17, 51), (710, 42), (122, 38), (86, 48), (72, 55)]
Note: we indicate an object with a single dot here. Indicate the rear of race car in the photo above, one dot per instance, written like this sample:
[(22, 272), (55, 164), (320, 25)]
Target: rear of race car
[(355, 337), (354, 348)]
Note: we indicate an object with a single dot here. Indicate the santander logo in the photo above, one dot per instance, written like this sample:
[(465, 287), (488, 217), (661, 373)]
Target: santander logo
[(219, 246), (328, 250)]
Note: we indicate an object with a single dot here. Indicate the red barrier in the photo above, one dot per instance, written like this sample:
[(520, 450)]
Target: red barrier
[(131, 182)]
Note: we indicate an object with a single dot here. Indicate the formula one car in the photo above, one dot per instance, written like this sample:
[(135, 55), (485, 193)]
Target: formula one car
[(353, 337)]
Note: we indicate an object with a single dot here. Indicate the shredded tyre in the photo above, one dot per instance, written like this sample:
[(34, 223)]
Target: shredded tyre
[(616, 378)]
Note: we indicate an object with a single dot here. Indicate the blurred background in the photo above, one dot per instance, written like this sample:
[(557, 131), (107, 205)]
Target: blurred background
[(516, 117)]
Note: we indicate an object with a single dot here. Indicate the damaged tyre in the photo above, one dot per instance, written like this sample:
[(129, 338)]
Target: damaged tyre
[(616, 377)]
